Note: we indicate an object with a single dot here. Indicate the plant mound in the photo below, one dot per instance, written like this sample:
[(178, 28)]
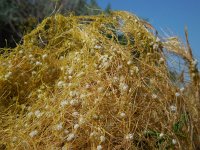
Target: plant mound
[(92, 82)]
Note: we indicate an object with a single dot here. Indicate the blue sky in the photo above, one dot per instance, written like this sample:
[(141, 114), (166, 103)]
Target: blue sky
[(170, 15)]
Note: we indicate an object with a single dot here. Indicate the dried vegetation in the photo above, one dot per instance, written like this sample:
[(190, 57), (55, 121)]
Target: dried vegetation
[(96, 82)]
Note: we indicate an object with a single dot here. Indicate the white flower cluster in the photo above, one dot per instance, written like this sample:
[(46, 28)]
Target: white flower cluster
[(64, 103), (61, 84), (8, 75), (177, 94), (38, 63), (99, 147), (122, 115), (70, 137), (76, 126), (173, 108), (33, 133), (129, 136), (74, 102), (75, 114), (123, 87), (38, 114), (59, 126), (102, 138), (105, 61), (154, 96)]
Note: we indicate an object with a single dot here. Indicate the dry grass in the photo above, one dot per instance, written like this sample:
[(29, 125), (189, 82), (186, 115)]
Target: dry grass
[(75, 84)]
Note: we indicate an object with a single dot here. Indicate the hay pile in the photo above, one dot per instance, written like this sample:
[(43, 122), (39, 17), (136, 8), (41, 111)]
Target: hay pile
[(92, 83)]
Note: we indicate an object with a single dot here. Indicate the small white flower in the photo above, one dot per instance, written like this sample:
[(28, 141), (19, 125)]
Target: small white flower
[(93, 134), (73, 93), (177, 94), (81, 120), (161, 60), (30, 56), (115, 79), (33, 72), (161, 135), (155, 46), (129, 136), (174, 141), (97, 47), (157, 39), (30, 114), (59, 126), (182, 89), (87, 86), (75, 114), (105, 65), (194, 62), (38, 63), (66, 131), (8, 75), (102, 138), (70, 137), (61, 84), (21, 51), (136, 69), (44, 56), (122, 115), (61, 57), (99, 147), (38, 114), (154, 96), (69, 77), (33, 133), (14, 139), (130, 62), (64, 103), (100, 89), (74, 102), (123, 87), (173, 108), (76, 126)]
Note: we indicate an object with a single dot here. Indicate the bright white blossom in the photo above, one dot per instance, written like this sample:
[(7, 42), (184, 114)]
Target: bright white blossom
[(66, 131), (174, 141), (129, 136), (161, 135), (64, 103), (99, 147), (154, 96), (33, 133), (70, 137), (130, 62), (182, 89), (123, 87), (97, 47), (76, 126), (173, 108), (177, 94), (61, 84), (102, 138), (74, 102), (122, 115), (59, 126), (38, 63), (75, 114), (38, 114), (44, 56), (8, 75)]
